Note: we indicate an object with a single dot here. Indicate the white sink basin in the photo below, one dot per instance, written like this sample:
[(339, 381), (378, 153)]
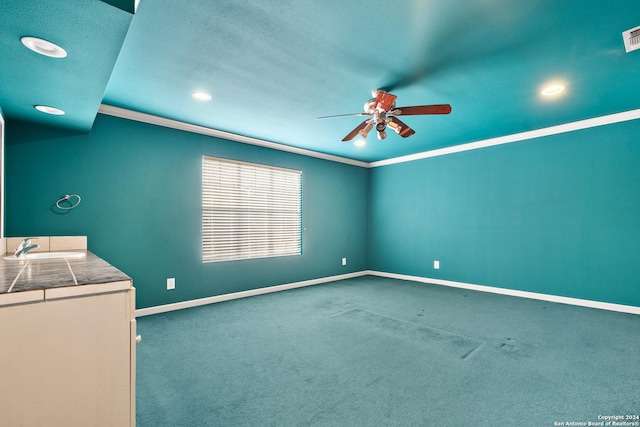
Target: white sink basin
[(47, 255)]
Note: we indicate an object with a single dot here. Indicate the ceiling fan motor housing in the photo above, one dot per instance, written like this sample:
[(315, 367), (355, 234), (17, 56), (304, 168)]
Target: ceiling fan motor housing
[(370, 106)]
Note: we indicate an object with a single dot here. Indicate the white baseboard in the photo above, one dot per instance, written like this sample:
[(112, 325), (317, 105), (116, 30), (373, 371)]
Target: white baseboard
[(512, 292), (244, 294), (502, 291)]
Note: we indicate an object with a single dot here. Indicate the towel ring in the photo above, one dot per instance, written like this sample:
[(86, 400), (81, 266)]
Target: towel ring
[(66, 198)]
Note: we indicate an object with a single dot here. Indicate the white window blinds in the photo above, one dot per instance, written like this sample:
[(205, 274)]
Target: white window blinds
[(249, 210)]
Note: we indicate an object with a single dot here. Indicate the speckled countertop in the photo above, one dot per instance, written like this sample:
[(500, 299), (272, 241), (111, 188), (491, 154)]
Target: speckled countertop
[(43, 274)]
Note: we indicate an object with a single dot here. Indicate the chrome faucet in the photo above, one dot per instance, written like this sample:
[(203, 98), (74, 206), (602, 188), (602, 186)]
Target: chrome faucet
[(24, 247)]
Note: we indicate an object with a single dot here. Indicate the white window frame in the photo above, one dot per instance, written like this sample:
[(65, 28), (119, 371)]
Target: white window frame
[(249, 210)]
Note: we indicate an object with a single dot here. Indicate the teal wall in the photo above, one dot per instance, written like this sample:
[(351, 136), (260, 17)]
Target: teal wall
[(141, 205), (557, 215)]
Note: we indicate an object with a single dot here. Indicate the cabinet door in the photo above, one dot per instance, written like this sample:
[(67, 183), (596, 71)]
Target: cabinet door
[(67, 362)]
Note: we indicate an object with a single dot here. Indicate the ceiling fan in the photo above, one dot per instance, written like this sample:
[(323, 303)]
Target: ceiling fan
[(384, 111)]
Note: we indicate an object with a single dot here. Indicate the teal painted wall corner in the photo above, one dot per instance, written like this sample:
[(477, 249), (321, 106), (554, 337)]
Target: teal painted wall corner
[(558, 215), (141, 205)]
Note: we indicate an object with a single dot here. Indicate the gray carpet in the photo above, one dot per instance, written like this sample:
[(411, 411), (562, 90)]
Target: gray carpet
[(371, 351)]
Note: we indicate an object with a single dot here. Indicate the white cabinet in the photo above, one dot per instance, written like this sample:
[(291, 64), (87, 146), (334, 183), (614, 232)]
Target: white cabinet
[(69, 360)]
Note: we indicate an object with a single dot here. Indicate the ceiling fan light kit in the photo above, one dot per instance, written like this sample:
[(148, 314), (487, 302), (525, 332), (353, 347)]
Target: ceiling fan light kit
[(365, 131), (383, 109)]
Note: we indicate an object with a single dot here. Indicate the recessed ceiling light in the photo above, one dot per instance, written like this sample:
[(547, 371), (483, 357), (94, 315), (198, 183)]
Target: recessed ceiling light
[(49, 110), (553, 89), (201, 96), (44, 47), (360, 143)]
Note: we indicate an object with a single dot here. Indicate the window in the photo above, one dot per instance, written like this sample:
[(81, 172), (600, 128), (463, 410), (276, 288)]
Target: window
[(249, 210)]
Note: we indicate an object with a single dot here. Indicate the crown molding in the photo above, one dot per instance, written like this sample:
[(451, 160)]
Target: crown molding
[(124, 113), (522, 136), (507, 139)]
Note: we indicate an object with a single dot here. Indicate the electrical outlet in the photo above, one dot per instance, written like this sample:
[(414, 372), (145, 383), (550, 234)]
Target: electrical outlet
[(436, 265), (171, 284), (344, 261)]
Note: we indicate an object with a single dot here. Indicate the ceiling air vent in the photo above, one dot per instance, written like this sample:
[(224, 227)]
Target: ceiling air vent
[(631, 39)]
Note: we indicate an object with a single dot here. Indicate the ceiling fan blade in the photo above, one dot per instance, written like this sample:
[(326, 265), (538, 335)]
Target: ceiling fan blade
[(343, 115), (400, 127), (421, 109), (354, 132)]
